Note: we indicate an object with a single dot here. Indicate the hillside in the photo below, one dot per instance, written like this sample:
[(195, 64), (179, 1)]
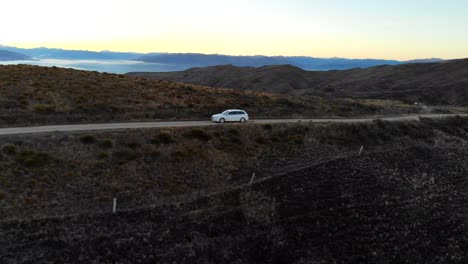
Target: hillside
[(12, 56), (188, 195), (442, 83), (40, 95)]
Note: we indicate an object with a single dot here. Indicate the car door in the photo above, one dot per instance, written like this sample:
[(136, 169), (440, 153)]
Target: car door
[(232, 116)]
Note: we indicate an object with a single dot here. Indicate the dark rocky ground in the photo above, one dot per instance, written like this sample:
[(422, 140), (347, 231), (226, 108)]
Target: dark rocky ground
[(403, 200)]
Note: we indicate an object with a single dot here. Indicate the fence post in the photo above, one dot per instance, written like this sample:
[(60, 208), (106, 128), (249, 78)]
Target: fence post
[(114, 205), (252, 179)]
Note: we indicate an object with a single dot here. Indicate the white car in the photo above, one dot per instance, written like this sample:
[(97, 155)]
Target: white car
[(232, 115)]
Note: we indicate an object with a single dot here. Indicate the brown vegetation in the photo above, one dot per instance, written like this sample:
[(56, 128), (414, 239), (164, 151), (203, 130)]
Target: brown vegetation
[(40, 95), (184, 195), (441, 83)]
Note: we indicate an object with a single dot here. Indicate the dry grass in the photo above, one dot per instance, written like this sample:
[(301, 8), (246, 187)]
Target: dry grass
[(42, 95), (151, 165)]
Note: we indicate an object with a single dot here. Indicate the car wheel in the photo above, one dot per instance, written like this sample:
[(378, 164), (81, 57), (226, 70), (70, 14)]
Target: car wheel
[(222, 120), (242, 120)]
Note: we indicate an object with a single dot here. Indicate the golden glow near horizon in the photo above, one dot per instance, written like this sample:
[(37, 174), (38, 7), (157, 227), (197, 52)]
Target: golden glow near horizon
[(320, 28)]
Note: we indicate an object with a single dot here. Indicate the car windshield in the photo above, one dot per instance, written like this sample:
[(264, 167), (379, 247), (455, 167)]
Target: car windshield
[(225, 113)]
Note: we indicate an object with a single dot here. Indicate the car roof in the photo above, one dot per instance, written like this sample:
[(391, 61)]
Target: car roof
[(235, 110)]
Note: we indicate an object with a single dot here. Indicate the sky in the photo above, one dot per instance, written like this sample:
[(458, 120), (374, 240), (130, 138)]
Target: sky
[(396, 29)]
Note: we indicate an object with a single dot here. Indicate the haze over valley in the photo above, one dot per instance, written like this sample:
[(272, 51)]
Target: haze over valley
[(123, 62)]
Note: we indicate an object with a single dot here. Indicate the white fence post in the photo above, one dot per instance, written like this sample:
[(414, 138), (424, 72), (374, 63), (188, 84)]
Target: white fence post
[(360, 150), (114, 205), (252, 179)]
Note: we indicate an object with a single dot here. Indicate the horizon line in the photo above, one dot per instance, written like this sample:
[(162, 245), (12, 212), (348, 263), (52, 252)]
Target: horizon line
[(234, 55)]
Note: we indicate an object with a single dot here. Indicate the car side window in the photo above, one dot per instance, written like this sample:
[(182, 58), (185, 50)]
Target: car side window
[(232, 113)]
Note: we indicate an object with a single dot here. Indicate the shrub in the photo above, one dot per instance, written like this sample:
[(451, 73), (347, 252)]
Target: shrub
[(297, 139), (2, 196), (103, 155), (9, 149), (125, 155), (133, 145), (44, 108), (32, 159), (28, 201), (267, 127), (180, 154), (275, 139), (260, 140), (155, 153), (198, 134), (236, 140), (106, 143), (165, 138), (87, 139), (45, 179), (233, 132)]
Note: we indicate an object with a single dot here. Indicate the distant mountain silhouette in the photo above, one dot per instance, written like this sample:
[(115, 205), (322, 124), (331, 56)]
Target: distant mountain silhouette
[(6, 55), (189, 60), (307, 63), (431, 83), (46, 53)]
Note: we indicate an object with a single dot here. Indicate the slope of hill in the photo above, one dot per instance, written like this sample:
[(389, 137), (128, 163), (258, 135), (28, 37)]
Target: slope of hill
[(41, 95), (430, 83), (6, 55), (188, 195)]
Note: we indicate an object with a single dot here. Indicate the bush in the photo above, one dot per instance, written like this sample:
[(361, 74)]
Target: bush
[(268, 127), (297, 139), (87, 139), (275, 139), (261, 140), (44, 108), (125, 155), (165, 138), (9, 149), (32, 159), (106, 143), (103, 155), (180, 154), (155, 153), (133, 145), (233, 132), (198, 134)]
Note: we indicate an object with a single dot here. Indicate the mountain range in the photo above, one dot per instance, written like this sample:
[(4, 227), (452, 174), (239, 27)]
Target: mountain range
[(440, 83), (189, 60), (303, 62), (6, 55), (47, 53)]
